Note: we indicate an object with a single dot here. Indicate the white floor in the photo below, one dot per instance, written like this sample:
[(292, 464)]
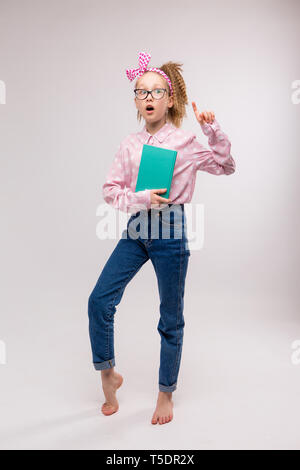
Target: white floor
[(237, 386)]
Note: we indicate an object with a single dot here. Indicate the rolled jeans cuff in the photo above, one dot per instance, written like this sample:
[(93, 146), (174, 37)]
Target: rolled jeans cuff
[(165, 388), (105, 364)]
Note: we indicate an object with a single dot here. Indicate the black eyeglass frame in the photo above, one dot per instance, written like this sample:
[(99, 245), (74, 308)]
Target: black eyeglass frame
[(149, 91)]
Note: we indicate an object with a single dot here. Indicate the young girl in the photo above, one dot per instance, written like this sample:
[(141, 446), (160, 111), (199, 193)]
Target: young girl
[(163, 89)]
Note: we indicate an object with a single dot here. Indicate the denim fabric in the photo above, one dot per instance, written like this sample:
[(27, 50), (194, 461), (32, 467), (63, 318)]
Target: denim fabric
[(158, 235)]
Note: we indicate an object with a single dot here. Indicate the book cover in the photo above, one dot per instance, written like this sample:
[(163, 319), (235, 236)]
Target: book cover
[(156, 169)]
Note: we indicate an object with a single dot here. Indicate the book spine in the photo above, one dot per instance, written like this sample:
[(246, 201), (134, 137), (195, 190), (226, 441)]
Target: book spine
[(171, 173)]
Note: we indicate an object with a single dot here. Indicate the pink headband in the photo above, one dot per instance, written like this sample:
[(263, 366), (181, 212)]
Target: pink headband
[(144, 59)]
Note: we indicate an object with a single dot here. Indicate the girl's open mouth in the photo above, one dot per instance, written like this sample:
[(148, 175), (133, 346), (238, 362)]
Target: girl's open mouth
[(149, 109)]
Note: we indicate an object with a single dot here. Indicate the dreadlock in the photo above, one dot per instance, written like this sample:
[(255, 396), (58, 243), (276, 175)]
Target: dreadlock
[(177, 112)]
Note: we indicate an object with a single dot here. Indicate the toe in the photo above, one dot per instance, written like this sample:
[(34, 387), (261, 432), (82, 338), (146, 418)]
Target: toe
[(108, 409), (108, 412), (154, 419)]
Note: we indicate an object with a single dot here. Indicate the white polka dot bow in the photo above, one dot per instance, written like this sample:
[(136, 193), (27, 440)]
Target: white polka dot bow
[(144, 59)]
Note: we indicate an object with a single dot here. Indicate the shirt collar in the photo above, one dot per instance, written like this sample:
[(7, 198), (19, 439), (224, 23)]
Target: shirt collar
[(160, 135)]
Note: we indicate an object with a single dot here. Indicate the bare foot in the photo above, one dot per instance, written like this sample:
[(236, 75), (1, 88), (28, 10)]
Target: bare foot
[(164, 408), (111, 381)]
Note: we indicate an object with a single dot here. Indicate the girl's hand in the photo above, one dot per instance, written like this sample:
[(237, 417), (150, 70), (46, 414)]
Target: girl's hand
[(205, 116), (155, 199)]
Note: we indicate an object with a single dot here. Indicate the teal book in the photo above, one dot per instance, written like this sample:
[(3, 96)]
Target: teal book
[(156, 169)]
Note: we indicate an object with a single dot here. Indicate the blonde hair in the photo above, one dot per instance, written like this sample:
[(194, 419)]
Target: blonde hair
[(177, 112)]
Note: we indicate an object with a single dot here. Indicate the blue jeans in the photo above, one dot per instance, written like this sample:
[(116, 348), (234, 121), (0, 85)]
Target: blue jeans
[(158, 234)]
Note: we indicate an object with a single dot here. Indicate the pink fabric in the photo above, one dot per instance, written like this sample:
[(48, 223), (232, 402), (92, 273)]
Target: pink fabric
[(144, 59), (118, 189)]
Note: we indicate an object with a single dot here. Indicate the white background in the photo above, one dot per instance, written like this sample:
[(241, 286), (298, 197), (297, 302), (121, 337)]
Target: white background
[(68, 106)]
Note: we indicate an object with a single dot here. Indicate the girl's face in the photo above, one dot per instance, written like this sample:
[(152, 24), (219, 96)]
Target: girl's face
[(151, 81)]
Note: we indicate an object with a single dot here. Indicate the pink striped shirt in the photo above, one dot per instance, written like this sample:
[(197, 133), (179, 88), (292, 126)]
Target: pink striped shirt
[(118, 189)]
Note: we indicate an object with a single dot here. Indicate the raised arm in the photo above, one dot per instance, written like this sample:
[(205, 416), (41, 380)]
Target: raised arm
[(218, 159)]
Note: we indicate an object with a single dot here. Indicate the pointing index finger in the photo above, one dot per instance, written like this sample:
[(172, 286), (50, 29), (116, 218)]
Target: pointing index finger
[(196, 110)]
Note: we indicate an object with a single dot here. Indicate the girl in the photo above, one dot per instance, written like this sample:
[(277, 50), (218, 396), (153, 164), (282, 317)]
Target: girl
[(163, 89)]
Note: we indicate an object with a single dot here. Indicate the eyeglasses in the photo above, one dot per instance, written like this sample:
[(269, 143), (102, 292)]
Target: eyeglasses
[(156, 94)]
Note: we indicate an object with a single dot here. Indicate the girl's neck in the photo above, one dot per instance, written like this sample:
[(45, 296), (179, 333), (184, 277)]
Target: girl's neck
[(154, 127)]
